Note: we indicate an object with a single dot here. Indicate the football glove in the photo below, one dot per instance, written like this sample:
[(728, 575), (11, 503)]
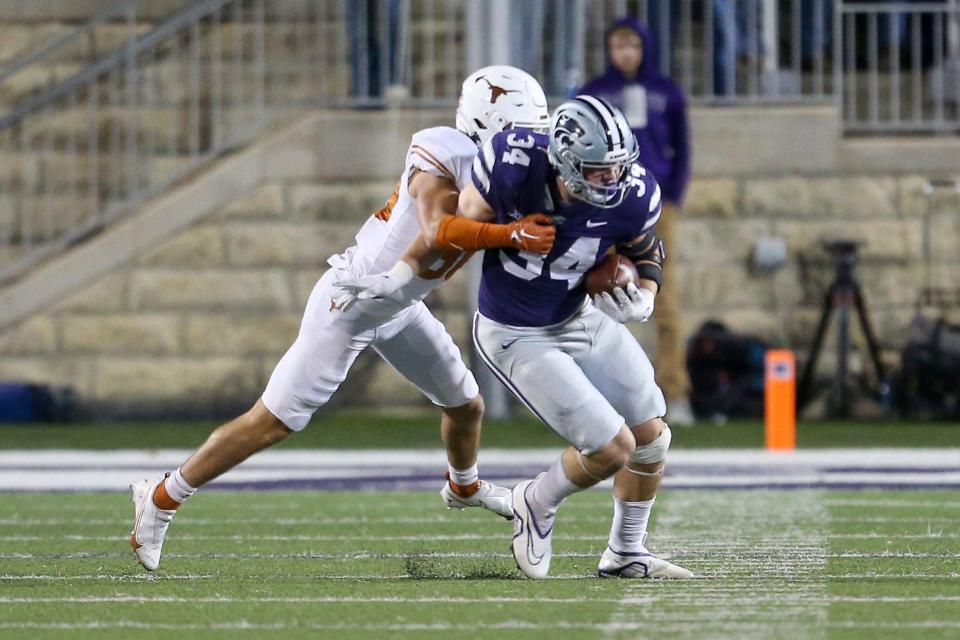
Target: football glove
[(378, 286), (626, 304), (535, 232)]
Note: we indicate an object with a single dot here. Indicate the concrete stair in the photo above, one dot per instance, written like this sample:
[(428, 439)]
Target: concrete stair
[(48, 168)]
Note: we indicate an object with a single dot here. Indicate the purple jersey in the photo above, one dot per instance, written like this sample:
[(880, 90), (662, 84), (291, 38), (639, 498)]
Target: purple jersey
[(525, 289)]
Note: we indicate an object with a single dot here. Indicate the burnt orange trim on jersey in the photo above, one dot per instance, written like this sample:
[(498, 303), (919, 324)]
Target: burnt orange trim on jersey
[(163, 500), (432, 159), (385, 213)]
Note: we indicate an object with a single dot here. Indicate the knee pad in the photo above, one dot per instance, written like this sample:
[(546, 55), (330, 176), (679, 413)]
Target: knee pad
[(655, 451)]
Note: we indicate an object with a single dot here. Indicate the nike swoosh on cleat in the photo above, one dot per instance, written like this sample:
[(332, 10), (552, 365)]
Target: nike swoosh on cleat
[(591, 224)]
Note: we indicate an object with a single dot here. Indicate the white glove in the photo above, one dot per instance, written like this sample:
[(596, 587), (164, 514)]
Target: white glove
[(373, 287), (627, 304)]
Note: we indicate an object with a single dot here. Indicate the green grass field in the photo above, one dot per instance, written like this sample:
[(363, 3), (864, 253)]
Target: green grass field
[(792, 564)]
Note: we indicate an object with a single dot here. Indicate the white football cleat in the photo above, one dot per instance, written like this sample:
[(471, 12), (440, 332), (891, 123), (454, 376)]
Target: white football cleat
[(531, 540), (614, 564), (489, 496), (150, 524)]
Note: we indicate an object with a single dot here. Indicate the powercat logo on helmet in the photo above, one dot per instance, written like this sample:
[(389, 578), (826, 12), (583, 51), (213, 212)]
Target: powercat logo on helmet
[(568, 130)]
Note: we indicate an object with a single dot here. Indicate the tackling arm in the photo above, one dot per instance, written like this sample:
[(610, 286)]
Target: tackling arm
[(472, 230)]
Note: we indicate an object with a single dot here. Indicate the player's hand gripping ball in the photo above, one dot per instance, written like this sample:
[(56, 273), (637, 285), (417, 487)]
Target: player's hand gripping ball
[(610, 273), (613, 286)]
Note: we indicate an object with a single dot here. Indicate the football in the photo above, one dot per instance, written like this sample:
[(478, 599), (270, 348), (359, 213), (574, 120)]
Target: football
[(611, 272)]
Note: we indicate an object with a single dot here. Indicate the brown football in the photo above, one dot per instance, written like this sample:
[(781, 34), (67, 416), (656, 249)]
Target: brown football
[(611, 272)]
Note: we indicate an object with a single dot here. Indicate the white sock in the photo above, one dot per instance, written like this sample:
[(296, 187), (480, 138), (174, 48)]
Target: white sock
[(550, 489), (464, 477), (629, 526), (177, 488)]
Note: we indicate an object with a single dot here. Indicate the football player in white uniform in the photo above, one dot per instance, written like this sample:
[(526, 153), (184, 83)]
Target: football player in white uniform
[(338, 323)]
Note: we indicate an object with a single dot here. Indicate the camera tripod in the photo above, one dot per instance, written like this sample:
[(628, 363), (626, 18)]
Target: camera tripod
[(845, 296)]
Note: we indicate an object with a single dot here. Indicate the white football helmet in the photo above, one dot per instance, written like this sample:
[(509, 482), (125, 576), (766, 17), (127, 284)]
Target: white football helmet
[(500, 97)]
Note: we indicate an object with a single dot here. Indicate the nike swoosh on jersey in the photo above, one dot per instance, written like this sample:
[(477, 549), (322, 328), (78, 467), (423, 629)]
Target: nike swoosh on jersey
[(506, 344), (591, 224)]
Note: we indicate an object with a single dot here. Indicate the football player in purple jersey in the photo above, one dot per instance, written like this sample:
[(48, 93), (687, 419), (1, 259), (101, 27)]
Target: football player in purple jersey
[(568, 358)]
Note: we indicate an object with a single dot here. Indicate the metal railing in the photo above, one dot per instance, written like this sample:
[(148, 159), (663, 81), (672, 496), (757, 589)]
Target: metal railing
[(82, 153), (901, 66), (64, 54)]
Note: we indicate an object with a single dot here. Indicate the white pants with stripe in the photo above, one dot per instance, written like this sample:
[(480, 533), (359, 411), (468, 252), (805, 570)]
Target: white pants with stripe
[(584, 378), (410, 338)]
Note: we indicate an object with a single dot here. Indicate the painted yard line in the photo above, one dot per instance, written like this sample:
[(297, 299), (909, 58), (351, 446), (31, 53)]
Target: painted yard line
[(279, 538), (147, 577), (757, 546), (693, 598), (242, 625), (150, 577), (704, 576), (710, 530), (894, 536), (896, 554), (426, 520), (892, 504), (305, 600), (305, 555), (925, 624)]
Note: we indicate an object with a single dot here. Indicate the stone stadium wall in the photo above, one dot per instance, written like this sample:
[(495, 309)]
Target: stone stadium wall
[(194, 325)]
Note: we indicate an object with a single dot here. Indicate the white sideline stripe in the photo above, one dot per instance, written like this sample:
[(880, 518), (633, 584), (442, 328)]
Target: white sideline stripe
[(347, 458), (748, 468)]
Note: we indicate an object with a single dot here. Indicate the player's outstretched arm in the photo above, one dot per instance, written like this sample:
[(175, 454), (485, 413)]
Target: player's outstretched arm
[(472, 230)]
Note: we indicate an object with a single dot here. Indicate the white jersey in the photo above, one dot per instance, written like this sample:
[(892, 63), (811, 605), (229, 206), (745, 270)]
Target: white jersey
[(440, 151)]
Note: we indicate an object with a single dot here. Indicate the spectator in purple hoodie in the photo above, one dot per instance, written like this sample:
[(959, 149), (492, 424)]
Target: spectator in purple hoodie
[(656, 109)]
